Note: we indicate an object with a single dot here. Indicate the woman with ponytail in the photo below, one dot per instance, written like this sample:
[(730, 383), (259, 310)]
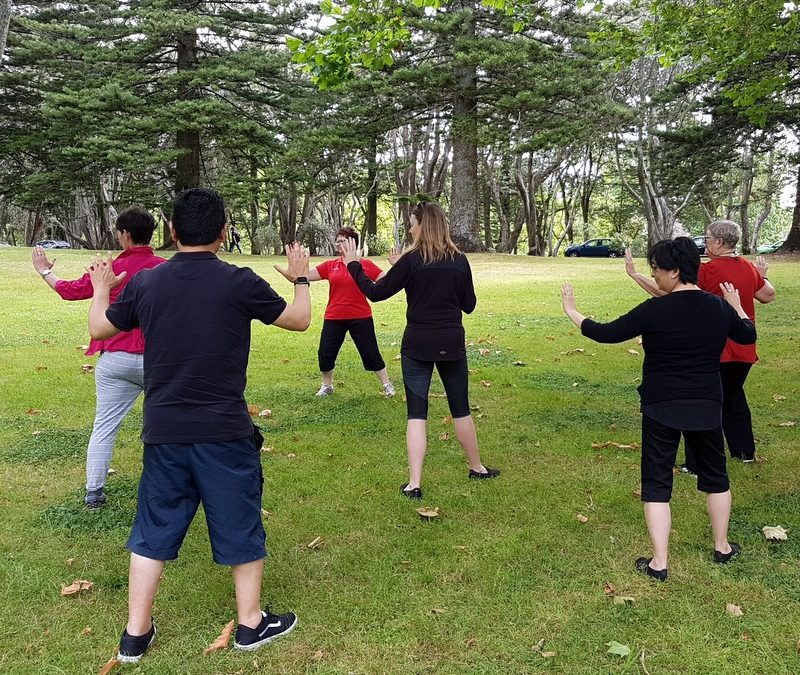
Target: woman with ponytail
[(438, 283)]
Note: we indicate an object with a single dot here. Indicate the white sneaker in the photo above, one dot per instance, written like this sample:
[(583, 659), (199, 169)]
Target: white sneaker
[(325, 390), (388, 390)]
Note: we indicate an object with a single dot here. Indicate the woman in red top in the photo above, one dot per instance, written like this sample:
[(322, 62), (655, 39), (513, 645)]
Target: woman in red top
[(347, 312), (119, 372), (726, 266)]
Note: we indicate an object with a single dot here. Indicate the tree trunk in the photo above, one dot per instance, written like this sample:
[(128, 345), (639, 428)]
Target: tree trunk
[(371, 216), (464, 213), (5, 18), (793, 240)]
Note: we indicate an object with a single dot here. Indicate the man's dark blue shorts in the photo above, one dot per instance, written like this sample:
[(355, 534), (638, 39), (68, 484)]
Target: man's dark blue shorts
[(225, 476)]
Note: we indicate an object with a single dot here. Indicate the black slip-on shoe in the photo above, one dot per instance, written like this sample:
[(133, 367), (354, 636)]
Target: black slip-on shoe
[(133, 647), (416, 493), (643, 565), (723, 558), (489, 473), (272, 627)]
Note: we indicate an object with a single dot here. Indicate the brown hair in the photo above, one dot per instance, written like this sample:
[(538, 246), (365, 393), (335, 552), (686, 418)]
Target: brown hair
[(433, 242), (348, 232)]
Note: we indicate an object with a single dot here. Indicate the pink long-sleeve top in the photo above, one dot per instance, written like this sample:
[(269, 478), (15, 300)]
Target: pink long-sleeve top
[(132, 260)]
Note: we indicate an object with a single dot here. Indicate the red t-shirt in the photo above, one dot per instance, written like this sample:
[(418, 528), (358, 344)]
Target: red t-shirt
[(748, 281), (345, 301)]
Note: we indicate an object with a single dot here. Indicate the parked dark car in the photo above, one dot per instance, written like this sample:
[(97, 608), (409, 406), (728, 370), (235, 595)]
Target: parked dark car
[(595, 248), (53, 243), (700, 242)]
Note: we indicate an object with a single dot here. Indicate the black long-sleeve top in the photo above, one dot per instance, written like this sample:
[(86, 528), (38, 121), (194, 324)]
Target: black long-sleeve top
[(436, 294), (683, 335)]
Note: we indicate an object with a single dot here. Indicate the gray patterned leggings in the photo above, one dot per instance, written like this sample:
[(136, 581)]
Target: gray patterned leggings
[(119, 381)]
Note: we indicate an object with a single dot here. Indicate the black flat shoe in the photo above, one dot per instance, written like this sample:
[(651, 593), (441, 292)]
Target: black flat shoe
[(489, 473), (723, 558), (416, 493), (643, 565)]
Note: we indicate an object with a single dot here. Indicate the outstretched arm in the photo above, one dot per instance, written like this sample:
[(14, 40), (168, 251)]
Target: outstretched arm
[(297, 316), (568, 304), (313, 275), (44, 267), (647, 283), (103, 280), (393, 282)]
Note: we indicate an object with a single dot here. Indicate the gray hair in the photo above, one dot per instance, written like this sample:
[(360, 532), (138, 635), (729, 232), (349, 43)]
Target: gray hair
[(726, 230)]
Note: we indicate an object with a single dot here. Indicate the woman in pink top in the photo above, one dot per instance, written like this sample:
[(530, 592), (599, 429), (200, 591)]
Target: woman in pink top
[(119, 371)]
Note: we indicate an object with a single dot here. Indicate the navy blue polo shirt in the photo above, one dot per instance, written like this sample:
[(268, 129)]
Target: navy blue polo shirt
[(195, 313)]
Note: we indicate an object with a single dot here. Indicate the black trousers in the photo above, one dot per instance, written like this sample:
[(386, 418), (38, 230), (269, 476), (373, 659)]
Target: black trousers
[(737, 422), (659, 447), (363, 333)]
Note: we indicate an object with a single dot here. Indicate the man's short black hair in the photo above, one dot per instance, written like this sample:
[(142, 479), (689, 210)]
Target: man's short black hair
[(138, 223), (198, 216), (676, 254)]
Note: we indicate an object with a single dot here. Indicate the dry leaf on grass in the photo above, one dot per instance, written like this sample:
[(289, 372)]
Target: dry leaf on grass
[(624, 600), (447, 419), (639, 340), (87, 630), (747, 637), (109, 666), (637, 493), (70, 561), (39, 369), (77, 586), (318, 655), (316, 543), (578, 350), (519, 363), (775, 533), (265, 413), (483, 352), (608, 588), (548, 655), (471, 642), (778, 397), (398, 357), (538, 646), (618, 649), (83, 347), (428, 513), (460, 548), (265, 513), (734, 610), (486, 383), (550, 337), (581, 518), (87, 368), (253, 409), (438, 610), (633, 352), (267, 448), (786, 424), (223, 639), (291, 455), (619, 446), (444, 436), (111, 472), (33, 411)]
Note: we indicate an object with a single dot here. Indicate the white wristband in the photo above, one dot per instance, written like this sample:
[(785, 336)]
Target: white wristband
[(45, 273)]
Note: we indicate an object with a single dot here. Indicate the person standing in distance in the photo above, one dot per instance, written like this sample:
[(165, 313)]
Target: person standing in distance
[(195, 313), (119, 371)]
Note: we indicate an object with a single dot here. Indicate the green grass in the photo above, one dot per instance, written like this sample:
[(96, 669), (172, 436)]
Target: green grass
[(508, 561)]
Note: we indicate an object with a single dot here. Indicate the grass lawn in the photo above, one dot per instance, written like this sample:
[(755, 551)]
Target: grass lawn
[(508, 563)]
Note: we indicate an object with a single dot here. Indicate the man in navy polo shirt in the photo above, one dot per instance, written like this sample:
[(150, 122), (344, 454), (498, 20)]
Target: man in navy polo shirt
[(195, 313)]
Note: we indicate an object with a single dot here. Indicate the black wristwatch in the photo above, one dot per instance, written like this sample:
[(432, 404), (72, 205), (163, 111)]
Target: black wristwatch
[(302, 281)]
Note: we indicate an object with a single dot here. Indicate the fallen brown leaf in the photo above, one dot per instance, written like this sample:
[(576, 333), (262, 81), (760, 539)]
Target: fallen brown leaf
[(460, 548), (471, 642), (786, 424), (444, 436), (267, 448), (538, 646), (265, 413), (581, 518), (70, 561), (318, 655), (223, 639), (265, 513), (428, 513), (608, 589), (519, 363), (77, 586), (548, 655), (633, 352), (447, 419), (747, 637), (253, 409), (109, 666), (486, 383), (87, 368), (637, 493), (778, 397), (316, 543), (33, 411), (39, 369), (438, 610), (398, 357), (550, 337), (83, 347), (577, 350), (623, 600), (483, 352), (86, 630), (734, 610), (291, 455), (775, 533)]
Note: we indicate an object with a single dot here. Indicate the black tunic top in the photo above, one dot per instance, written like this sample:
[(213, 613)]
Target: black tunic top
[(436, 293)]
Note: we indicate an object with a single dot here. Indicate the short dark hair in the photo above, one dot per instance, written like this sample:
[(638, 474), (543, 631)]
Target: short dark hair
[(348, 232), (676, 254), (138, 223), (198, 216)]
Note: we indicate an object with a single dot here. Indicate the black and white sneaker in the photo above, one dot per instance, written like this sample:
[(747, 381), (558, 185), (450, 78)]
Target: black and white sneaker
[(272, 627), (94, 499), (133, 647)]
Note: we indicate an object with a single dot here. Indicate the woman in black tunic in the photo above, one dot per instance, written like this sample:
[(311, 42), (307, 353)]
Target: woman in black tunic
[(683, 334)]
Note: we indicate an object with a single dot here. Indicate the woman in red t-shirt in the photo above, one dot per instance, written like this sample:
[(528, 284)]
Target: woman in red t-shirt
[(726, 266), (347, 312)]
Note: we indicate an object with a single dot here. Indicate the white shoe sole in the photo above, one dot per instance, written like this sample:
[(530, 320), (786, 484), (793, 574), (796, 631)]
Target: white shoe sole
[(255, 645)]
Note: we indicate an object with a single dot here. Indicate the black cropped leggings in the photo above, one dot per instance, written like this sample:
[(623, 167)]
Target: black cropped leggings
[(417, 381)]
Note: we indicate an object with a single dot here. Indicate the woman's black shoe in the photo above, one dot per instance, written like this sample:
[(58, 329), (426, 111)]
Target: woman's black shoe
[(416, 493), (643, 565), (489, 473)]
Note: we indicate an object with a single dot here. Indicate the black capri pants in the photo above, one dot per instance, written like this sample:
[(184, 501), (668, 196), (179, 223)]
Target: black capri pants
[(659, 448), (363, 333), (417, 381)]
